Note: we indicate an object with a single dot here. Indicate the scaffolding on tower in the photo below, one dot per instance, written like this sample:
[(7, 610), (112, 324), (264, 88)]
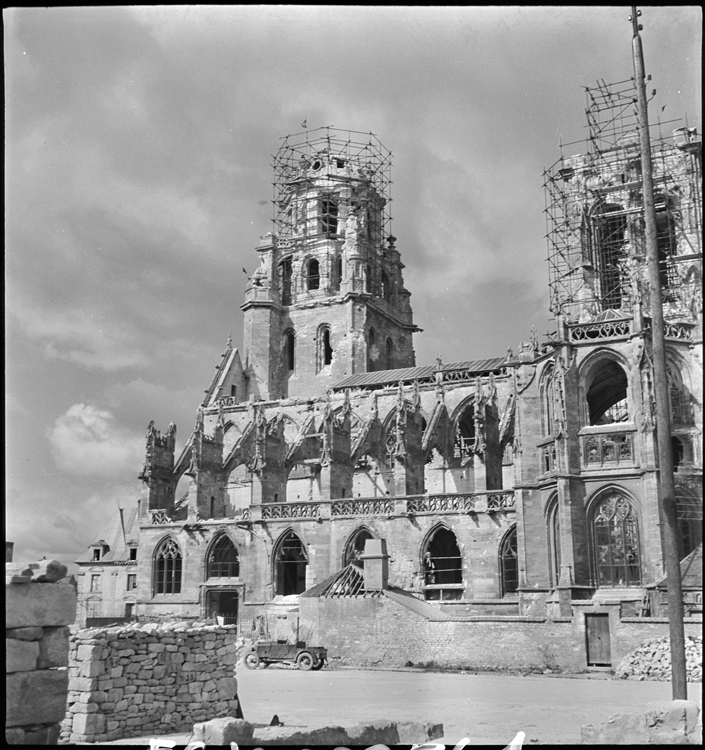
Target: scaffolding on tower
[(359, 156), (595, 215)]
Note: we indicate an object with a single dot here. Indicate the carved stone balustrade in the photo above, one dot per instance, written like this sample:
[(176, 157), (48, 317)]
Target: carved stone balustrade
[(463, 503), (609, 446), (606, 329)]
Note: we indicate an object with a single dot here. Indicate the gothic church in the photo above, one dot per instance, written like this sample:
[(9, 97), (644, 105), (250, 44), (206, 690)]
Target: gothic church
[(501, 487)]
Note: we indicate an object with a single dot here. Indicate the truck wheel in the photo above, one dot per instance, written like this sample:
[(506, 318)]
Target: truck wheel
[(305, 661), (252, 660), (318, 665)]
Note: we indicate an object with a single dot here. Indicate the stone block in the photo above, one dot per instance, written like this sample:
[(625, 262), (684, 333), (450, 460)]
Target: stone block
[(663, 722), (227, 688), (25, 634), (47, 571), (84, 684), (89, 723), (299, 736), (378, 732), (223, 731), (36, 697), (21, 656), (418, 732), (92, 669), (54, 648), (87, 652), (14, 736), (39, 604)]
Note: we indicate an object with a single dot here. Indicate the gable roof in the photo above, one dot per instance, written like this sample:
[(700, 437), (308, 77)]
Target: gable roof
[(427, 374)]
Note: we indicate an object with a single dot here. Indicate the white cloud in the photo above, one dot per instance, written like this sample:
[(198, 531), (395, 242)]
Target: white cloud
[(88, 442)]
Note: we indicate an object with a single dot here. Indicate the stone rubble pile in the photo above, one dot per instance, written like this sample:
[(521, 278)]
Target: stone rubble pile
[(652, 660), (144, 678)]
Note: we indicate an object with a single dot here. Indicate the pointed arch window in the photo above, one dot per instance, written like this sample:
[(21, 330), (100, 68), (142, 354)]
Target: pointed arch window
[(329, 216), (607, 395), (464, 442), (616, 542), (285, 281), (442, 567), (689, 510), (386, 286), (389, 352), (508, 563), (223, 561), (665, 240), (338, 274), (289, 350), (547, 403), (167, 568), (355, 547), (290, 563), (609, 224), (324, 349), (313, 275), (554, 538), (371, 352), (681, 412)]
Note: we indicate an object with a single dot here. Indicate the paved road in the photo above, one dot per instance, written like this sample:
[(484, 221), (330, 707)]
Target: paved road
[(486, 708)]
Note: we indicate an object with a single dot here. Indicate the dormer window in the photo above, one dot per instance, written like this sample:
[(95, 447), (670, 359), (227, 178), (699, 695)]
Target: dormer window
[(133, 553)]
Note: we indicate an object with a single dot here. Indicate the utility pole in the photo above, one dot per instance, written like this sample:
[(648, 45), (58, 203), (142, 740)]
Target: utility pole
[(666, 485)]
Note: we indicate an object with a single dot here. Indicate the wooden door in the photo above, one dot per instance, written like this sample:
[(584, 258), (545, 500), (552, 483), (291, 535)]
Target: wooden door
[(597, 631)]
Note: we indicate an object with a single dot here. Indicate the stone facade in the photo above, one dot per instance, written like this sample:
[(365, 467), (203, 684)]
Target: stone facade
[(39, 607), (136, 680), (519, 483)]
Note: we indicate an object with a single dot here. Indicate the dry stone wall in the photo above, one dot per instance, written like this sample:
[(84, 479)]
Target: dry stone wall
[(146, 678), (652, 660), (39, 606)]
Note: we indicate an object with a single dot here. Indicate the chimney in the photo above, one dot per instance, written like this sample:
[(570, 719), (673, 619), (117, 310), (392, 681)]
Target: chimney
[(8, 551), (375, 561)]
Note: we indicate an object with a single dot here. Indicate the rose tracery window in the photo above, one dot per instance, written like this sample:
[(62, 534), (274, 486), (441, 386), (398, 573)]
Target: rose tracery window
[(167, 568), (616, 543)]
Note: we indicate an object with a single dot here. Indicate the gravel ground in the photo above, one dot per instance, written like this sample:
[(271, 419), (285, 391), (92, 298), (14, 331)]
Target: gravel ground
[(486, 708)]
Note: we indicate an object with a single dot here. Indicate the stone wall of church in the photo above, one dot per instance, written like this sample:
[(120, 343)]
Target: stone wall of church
[(379, 632), (149, 678)]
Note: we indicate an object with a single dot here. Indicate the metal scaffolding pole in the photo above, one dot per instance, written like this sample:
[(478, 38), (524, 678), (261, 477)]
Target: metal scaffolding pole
[(667, 493)]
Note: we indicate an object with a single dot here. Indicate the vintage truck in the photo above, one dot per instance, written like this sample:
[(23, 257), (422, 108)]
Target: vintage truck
[(267, 652)]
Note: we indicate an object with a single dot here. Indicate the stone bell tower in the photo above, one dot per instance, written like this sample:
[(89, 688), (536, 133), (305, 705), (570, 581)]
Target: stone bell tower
[(328, 299)]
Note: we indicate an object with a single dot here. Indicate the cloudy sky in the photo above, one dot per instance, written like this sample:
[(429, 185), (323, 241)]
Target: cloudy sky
[(138, 175)]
